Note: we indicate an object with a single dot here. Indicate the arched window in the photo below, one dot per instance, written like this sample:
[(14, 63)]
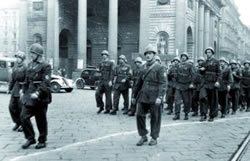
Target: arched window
[(162, 42), (37, 38), (191, 4)]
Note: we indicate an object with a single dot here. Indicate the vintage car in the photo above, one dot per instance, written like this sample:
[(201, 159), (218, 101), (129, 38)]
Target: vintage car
[(6, 65), (58, 82), (89, 78)]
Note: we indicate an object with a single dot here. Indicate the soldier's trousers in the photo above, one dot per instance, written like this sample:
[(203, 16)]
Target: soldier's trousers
[(170, 98), (247, 96), (116, 98), (133, 105), (195, 100), (184, 96), (209, 100), (223, 101), (155, 116), (40, 113), (15, 107), (235, 96), (104, 88)]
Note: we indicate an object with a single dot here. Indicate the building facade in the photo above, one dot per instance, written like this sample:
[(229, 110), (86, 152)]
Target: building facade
[(74, 32)]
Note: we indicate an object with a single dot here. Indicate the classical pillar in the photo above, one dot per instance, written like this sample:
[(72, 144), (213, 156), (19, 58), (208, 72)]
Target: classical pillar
[(144, 21), (196, 51), (206, 27), (82, 34), (22, 45), (52, 54), (211, 34), (113, 29), (201, 28)]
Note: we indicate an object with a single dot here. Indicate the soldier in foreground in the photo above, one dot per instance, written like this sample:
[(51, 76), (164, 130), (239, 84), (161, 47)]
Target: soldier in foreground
[(105, 84), (149, 91), (15, 85), (36, 96)]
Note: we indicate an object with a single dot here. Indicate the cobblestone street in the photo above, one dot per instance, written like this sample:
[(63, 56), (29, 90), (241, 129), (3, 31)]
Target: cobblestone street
[(77, 133)]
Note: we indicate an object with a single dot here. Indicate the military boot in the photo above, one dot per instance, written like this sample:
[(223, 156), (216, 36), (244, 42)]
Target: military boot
[(195, 114), (176, 117), (100, 110), (152, 142), (203, 118), (113, 112), (28, 143), (142, 141), (40, 145), (211, 119), (106, 112), (131, 113), (186, 116), (125, 112), (169, 112)]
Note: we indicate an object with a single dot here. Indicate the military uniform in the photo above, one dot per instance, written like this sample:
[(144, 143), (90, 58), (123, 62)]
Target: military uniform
[(15, 85), (121, 72), (245, 83), (106, 69)]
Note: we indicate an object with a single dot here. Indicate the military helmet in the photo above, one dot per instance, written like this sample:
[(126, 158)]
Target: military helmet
[(246, 62), (224, 60), (176, 58), (190, 61), (36, 49), (149, 49), (233, 62), (157, 58), (138, 59), (201, 59), (105, 52), (209, 48), (21, 55), (185, 54), (122, 57)]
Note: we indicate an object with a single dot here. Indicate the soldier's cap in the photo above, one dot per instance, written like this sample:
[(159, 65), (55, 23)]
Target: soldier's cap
[(184, 54), (105, 52), (209, 48), (138, 60), (246, 62), (20, 54), (223, 59), (36, 49), (176, 58), (201, 59), (233, 62), (149, 49)]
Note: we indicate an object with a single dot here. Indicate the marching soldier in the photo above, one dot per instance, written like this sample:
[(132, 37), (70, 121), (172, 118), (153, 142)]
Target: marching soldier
[(235, 88), (172, 77), (36, 96), (225, 85), (246, 83), (105, 85), (122, 77), (15, 85), (184, 86), (135, 75), (210, 69), (149, 91)]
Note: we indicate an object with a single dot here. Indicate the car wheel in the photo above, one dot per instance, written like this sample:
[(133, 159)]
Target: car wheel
[(80, 84), (93, 88), (55, 87), (69, 90)]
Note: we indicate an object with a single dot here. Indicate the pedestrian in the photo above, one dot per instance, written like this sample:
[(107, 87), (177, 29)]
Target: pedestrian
[(210, 70), (36, 96), (122, 78), (106, 68), (149, 91), (15, 85)]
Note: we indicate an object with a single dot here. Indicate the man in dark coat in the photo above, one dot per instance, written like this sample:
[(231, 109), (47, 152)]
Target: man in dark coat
[(245, 83), (36, 96), (149, 91)]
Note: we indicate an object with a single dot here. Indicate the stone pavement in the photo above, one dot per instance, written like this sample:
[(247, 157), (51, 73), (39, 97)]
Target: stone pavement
[(77, 133)]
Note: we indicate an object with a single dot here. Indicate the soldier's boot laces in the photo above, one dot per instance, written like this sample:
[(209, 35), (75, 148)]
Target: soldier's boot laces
[(176, 117), (142, 141)]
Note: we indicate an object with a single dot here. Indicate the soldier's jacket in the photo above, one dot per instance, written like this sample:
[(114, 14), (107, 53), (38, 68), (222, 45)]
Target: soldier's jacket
[(185, 76), (245, 83), (172, 76), (106, 68), (37, 80), (17, 79), (226, 79), (237, 76), (136, 73), (151, 85), (211, 73), (122, 72), (198, 80)]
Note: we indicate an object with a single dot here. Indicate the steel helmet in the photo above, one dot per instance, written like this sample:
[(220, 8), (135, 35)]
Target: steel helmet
[(209, 48), (184, 53), (21, 55), (105, 52), (201, 59), (122, 57), (246, 62), (157, 58), (149, 49), (138, 59), (233, 62), (36, 49), (176, 58), (224, 60), (190, 61)]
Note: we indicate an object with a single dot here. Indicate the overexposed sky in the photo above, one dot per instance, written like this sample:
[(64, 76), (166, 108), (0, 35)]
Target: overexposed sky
[(7, 3), (244, 10)]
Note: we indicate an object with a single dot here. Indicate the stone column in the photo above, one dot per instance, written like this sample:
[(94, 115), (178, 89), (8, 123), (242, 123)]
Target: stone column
[(53, 33), (82, 34), (144, 21), (206, 27), (22, 45), (113, 29), (196, 51), (211, 34), (201, 28)]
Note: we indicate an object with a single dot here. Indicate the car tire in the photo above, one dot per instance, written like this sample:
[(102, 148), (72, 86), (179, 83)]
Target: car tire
[(55, 87), (69, 90), (80, 84)]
